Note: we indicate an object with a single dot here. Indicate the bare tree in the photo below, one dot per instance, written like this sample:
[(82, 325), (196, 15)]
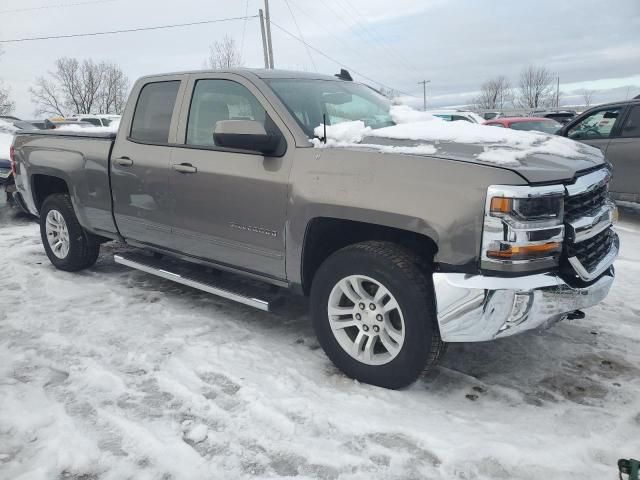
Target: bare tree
[(224, 54), (535, 87), (587, 96), (495, 94), (81, 87), (113, 94), (6, 104)]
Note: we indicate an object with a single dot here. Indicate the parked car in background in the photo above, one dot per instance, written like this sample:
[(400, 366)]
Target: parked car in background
[(456, 115), (561, 116), (8, 127), (492, 115), (6, 137), (21, 124), (39, 124), (539, 124), (614, 128), (8, 118), (95, 120), (52, 124)]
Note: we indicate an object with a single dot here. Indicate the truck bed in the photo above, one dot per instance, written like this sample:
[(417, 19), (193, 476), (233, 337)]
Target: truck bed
[(81, 160)]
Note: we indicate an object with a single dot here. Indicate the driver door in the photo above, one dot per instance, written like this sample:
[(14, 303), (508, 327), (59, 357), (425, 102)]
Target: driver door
[(229, 205)]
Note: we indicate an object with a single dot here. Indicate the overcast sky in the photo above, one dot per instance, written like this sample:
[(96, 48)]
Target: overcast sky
[(457, 44)]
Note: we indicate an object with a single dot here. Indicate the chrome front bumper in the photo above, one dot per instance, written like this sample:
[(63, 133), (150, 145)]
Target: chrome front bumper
[(475, 308)]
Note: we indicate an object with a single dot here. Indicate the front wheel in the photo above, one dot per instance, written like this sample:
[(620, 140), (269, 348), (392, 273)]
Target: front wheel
[(68, 246), (374, 313)]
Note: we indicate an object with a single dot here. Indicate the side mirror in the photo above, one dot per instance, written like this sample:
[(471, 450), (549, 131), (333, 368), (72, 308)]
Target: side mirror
[(245, 135)]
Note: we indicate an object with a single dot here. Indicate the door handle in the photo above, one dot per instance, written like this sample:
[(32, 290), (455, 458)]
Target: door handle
[(123, 162), (184, 168)]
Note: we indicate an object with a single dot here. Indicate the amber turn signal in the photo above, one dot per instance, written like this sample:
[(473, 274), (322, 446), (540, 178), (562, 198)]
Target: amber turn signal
[(526, 252), (501, 205)]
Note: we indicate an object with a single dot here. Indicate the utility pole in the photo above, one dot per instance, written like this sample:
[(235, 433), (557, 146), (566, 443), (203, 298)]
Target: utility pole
[(558, 94), (268, 25), (424, 93), (264, 40)]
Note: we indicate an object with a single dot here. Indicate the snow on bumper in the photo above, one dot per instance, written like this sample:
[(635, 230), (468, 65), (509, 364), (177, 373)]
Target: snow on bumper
[(474, 308)]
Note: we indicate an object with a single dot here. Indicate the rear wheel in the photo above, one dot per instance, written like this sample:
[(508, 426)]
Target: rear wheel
[(68, 246), (373, 311)]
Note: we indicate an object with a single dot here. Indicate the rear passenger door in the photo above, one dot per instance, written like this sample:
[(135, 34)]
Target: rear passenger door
[(230, 207), (624, 154), (141, 159)]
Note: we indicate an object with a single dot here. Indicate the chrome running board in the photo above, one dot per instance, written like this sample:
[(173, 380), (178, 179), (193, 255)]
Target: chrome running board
[(234, 289)]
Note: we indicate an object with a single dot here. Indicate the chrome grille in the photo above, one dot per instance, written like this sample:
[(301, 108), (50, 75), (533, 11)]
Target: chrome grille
[(591, 251), (587, 209), (585, 203)]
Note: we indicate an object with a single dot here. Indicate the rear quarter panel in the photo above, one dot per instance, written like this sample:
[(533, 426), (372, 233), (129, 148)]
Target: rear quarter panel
[(82, 162)]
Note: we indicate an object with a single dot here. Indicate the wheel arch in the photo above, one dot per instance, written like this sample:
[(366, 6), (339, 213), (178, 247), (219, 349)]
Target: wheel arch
[(46, 184), (325, 235)]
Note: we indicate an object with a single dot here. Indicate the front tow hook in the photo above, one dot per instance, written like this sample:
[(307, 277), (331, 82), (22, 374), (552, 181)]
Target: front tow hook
[(576, 315)]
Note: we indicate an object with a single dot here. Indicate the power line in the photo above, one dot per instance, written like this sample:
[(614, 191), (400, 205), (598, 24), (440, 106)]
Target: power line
[(300, 33), (338, 62), (128, 30), (60, 5), (368, 29), (357, 53), (360, 32)]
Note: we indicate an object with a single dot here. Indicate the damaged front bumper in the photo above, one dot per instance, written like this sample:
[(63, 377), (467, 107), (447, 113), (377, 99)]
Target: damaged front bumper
[(475, 308)]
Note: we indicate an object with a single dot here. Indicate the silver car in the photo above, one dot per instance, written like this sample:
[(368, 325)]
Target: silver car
[(615, 129)]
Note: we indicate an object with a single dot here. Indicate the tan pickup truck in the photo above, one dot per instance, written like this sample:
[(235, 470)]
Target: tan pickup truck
[(404, 242)]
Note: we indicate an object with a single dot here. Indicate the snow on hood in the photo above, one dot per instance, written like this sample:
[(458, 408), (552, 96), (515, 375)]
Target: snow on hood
[(501, 146)]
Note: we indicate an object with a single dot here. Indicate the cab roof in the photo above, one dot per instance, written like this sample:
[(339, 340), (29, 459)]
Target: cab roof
[(262, 73)]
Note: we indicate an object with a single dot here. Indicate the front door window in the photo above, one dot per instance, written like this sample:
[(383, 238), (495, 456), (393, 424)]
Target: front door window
[(597, 125)]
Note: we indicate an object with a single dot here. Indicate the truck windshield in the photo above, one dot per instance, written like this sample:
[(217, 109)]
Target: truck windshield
[(309, 100)]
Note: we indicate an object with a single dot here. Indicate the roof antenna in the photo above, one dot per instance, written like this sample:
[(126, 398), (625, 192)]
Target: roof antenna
[(344, 75), (324, 124)]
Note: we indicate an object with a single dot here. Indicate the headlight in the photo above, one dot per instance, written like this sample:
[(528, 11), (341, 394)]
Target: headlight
[(523, 228)]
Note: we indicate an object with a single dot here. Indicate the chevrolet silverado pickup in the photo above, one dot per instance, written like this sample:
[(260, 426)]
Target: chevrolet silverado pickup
[(403, 245)]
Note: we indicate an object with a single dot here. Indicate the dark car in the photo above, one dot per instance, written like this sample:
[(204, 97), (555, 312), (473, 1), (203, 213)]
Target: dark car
[(9, 126), (39, 124), (538, 124), (561, 116), (614, 128), (54, 124), (22, 125)]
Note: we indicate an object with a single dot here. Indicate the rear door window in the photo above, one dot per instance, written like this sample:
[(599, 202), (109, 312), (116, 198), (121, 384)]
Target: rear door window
[(152, 118), (632, 126)]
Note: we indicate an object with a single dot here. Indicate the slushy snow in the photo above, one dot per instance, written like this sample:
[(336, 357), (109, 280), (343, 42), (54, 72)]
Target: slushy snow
[(112, 374), (502, 146), (111, 128)]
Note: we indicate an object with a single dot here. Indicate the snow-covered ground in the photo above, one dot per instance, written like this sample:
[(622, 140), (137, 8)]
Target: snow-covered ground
[(115, 374)]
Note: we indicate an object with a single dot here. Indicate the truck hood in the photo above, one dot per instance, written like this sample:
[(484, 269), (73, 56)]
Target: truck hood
[(536, 156), (535, 165)]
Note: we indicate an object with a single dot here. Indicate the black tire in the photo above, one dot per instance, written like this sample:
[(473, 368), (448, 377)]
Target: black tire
[(403, 274), (83, 247)]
